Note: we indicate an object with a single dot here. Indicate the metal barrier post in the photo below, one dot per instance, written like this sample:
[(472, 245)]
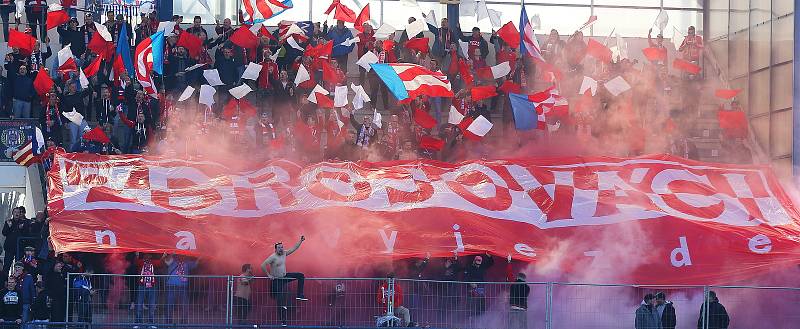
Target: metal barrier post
[(229, 302), (548, 306), (67, 317), (705, 307), (390, 297)]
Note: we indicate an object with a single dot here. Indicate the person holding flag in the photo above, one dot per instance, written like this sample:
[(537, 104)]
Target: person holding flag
[(150, 58)]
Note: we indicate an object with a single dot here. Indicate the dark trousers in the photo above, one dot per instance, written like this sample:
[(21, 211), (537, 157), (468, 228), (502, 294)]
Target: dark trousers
[(342, 61), (280, 291), (36, 20), (241, 309), (6, 11), (376, 85)]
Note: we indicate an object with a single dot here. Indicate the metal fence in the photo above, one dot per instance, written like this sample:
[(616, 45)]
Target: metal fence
[(231, 301)]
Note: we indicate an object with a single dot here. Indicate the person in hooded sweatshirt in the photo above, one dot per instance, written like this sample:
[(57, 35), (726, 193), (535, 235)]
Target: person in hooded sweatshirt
[(717, 315), (666, 311), (646, 314)]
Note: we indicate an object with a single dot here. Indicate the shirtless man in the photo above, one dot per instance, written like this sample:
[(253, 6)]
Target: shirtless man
[(241, 298), (275, 268)]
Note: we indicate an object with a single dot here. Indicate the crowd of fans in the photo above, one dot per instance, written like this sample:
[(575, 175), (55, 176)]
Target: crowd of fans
[(278, 120)]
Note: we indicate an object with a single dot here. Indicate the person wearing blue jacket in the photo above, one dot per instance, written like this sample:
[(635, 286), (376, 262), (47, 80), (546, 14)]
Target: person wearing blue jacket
[(25, 286), (178, 269), (340, 52)]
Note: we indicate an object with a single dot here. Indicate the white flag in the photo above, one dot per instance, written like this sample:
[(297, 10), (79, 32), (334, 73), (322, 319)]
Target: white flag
[(617, 86), (661, 21), (340, 96), (467, 8), (240, 91), (480, 126), (622, 46), (212, 76), (312, 96), (677, 38), (464, 48), (500, 70), (409, 3), (376, 118), (349, 42), (338, 121), (384, 31), (168, 27), (64, 54), (74, 117), (188, 92), (588, 84), (147, 7), (496, 18), (416, 27), (251, 72), (207, 95), (195, 66), (431, 19), (536, 22), (293, 43), (360, 96), (368, 58), (302, 75), (83, 80), (482, 11), (454, 117)]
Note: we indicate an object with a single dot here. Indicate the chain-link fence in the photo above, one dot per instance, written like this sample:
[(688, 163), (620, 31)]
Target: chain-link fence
[(101, 300)]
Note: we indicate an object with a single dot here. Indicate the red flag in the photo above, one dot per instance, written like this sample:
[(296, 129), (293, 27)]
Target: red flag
[(509, 34), (229, 111), (598, 50), (732, 123), (93, 68), (585, 102), (244, 38), (686, 66), (23, 41), (96, 135), (42, 83), (100, 46), (727, 93), (655, 54), (418, 44), (483, 92), (510, 87), (124, 118), (345, 14), (362, 18), (192, 43), (324, 101), (320, 50), (263, 31), (463, 70), (331, 7), (56, 18), (329, 73), (423, 119), (430, 143)]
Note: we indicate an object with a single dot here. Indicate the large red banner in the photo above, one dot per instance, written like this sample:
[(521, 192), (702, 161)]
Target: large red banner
[(654, 219)]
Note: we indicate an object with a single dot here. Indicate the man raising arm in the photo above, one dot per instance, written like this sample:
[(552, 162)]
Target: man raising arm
[(280, 278)]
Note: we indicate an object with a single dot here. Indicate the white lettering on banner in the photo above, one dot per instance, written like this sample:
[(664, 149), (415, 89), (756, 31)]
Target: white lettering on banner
[(388, 241), (187, 241), (525, 250), (101, 235), (459, 240), (760, 244), (682, 251), (544, 196)]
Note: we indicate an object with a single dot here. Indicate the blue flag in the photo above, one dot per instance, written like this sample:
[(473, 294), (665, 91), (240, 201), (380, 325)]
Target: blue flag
[(158, 51), (525, 115), (124, 50)]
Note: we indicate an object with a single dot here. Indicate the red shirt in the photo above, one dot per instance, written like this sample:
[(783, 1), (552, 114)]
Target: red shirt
[(269, 73), (366, 43)]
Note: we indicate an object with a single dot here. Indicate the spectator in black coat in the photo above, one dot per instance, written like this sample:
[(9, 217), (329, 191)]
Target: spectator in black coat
[(476, 272), (15, 227), (40, 309), (71, 35), (10, 304), (717, 315), (56, 286), (666, 311)]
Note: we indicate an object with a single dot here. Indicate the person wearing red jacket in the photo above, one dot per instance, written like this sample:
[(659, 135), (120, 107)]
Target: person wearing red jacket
[(397, 302), (366, 43)]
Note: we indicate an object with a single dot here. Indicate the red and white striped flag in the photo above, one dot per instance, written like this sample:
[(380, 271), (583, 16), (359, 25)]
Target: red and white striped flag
[(256, 11), (25, 156)]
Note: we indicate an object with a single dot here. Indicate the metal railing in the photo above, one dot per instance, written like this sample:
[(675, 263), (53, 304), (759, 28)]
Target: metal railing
[(223, 301)]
